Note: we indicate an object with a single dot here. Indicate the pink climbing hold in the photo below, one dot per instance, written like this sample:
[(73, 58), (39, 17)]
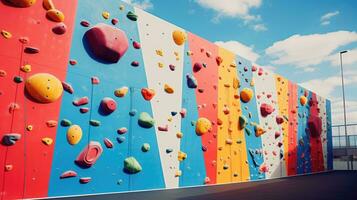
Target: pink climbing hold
[(254, 68), (163, 128), (68, 174), (72, 62), (106, 42), (135, 63), (266, 109), (89, 154), (136, 45), (84, 110), (85, 180), (260, 71), (95, 80), (122, 130), (279, 119), (115, 21), (108, 143), (197, 67), (108, 105), (67, 87), (81, 101), (315, 126), (183, 112)]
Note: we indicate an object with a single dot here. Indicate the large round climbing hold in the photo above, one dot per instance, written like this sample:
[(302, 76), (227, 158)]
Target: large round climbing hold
[(21, 3), (246, 95), (44, 88), (107, 105), (74, 134), (203, 126), (107, 43), (303, 100), (179, 37)]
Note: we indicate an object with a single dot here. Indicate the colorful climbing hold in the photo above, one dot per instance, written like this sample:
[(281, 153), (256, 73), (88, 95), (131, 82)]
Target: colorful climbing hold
[(148, 93), (108, 143), (197, 67), (31, 50), (26, 68), (3, 73), (131, 165), (121, 92), (67, 87), (81, 101), (303, 100), (8, 167), (258, 130), (115, 21), (242, 122), (179, 37), (191, 81), (106, 42), (163, 128), (85, 180), (18, 79), (279, 119), (74, 134), (47, 141), (105, 15), (68, 174), (145, 120), (48, 4), (94, 122), (246, 95), (108, 105), (203, 126), (122, 130), (89, 154), (85, 23), (6, 34), (21, 3), (9, 139), (132, 16), (179, 135), (83, 110), (73, 62), (145, 147), (66, 122), (168, 89), (55, 15), (51, 123), (181, 156), (183, 112), (266, 109), (44, 88), (136, 45), (135, 63), (121, 139), (59, 29)]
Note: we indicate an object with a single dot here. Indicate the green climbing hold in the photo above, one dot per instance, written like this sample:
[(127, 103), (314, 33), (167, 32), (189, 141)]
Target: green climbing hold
[(131, 165), (242, 122), (145, 147), (66, 122), (18, 79), (94, 122), (145, 120), (248, 131), (132, 16)]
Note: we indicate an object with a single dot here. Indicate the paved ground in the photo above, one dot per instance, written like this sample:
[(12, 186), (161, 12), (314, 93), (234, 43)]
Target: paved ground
[(330, 185)]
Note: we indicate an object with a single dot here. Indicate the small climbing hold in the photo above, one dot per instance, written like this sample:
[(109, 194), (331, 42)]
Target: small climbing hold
[(44, 88), (279, 119), (136, 45), (85, 180), (66, 122), (173, 113), (24, 40), (73, 62), (183, 112), (18, 79), (85, 23), (172, 67), (26, 68), (122, 130), (145, 147), (181, 156), (94, 122), (8, 167), (191, 81), (145, 120), (133, 112), (203, 126), (51, 123), (258, 131), (277, 134), (108, 105), (81, 101), (59, 29), (219, 60), (135, 63), (6, 34), (21, 3), (121, 92), (67, 87), (115, 21), (55, 15), (9, 139), (179, 135), (132, 16), (303, 100), (121, 7), (74, 134), (121, 139), (108, 143), (131, 165), (246, 95), (83, 110), (3, 73), (179, 37), (168, 89), (169, 150), (266, 109), (178, 173), (13, 107), (31, 50), (242, 122), (68, 174), (207, 180), (159, 52), (197, 67), (95, 80), (263, 168), (105, 15), (147, 93), (235, 83), (248, 131), (106, 42), (163, 128), (89, 154), (29, 127), (47, 141)]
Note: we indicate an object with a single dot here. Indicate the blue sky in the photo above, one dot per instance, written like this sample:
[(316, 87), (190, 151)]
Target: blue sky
[(298, 39)]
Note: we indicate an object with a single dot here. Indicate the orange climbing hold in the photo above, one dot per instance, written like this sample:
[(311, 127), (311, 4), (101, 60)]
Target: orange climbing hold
[(44, 88), (147, 93), (179, 37), (21, 3), (121, 92), (246, 95), (203, 126), (168, 89), (303, 100), (6, 34), (47, 141)]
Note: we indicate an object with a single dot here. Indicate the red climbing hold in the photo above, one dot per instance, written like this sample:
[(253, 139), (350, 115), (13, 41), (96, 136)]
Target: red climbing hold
[(135, 63), (106, 42), (315, 126), (219, 60), (85, 23), (279, 119), (59, 29), (95, 80), (108, 143), (85, 180), (183, 112), (163, 128), (84, 110), (24, 40), (136, 45), (115, 21), (67, 87), (147, 93), (89, 154), (266, 109), (68, 174), (72, 62), (108, 105), (197, 67), (81, 101)]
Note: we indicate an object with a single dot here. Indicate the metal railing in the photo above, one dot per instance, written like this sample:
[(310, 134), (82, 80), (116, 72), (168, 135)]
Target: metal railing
[(339, 139)]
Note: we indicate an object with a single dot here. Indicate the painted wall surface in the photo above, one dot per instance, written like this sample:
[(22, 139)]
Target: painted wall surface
[(99, 96)]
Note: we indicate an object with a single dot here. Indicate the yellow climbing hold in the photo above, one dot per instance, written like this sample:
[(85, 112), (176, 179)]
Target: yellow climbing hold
[(259, 131), (178, 173), (26, 68), (203, 126), (6, 34), (47, 141), (160, 64), (235, 83), (168, 89), (179, 37), (181, 156), (105, 15), (55, 15), (29, 128), (22, 3), (159, 52), (74, 134), (246, 95), (121, 92), (44, 88), (303, 100)]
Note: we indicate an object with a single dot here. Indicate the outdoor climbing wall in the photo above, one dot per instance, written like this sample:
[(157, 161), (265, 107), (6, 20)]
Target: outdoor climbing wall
[(99, 96)]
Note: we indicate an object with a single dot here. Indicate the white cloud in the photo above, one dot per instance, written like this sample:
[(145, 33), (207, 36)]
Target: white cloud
[(348, 58), (240, 49), (305, 51), (260, 27), (325, 19), (232, 8), (144, 4)]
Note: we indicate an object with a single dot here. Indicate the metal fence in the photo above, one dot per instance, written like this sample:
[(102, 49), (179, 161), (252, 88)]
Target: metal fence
[(339, 139)]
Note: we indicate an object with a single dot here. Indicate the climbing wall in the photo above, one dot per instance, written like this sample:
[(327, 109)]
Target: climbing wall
[(99, 96)]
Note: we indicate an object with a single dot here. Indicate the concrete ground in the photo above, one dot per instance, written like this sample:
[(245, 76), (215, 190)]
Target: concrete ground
[(329, 185)]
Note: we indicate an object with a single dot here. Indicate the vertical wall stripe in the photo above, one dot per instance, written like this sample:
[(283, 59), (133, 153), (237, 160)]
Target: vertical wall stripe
[(152, 30), (329, 136), (282, 90), (272, 143), (323, 117), (293, 129)]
